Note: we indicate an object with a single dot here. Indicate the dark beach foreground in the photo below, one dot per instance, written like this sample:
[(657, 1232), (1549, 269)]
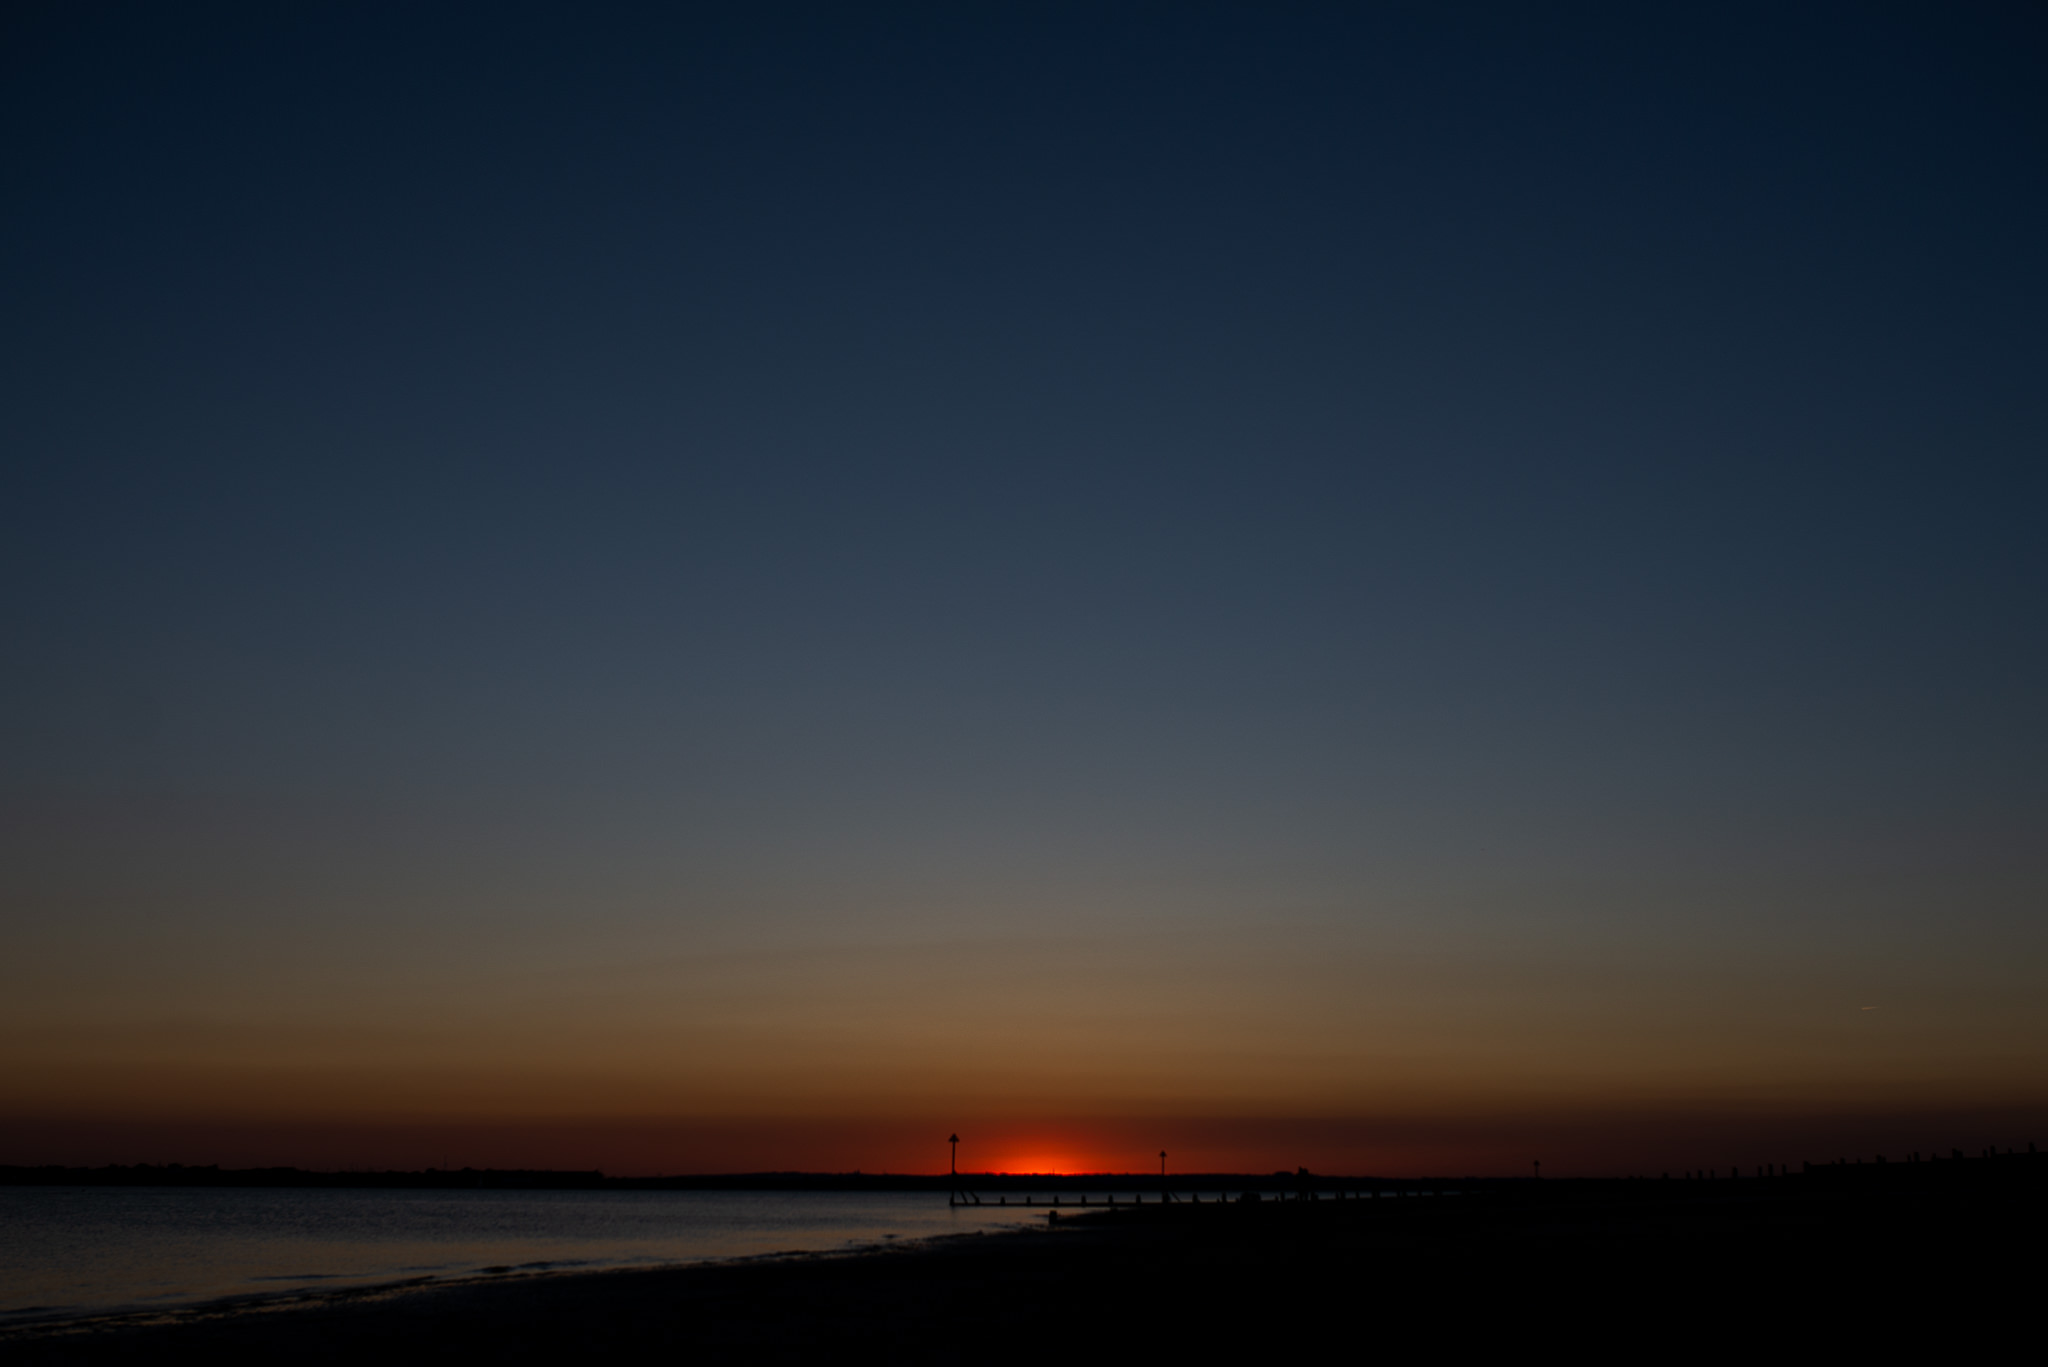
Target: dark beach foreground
[(1939, 1256)]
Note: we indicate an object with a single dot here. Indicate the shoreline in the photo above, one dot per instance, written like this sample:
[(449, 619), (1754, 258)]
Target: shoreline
[(1856, 1260), (30, 1323), (262, 1324)]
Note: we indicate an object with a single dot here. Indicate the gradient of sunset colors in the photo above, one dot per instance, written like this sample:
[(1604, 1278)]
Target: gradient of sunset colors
[(1393, 591)]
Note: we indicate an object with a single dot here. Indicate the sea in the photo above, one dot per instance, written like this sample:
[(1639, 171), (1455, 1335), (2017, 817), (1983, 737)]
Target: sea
[(69, 1252)]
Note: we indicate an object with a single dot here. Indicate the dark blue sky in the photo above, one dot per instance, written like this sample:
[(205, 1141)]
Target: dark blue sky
[(814, 475)]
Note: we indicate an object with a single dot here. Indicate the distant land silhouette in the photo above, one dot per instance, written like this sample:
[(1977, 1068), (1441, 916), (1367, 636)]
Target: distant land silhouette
[(1911, 1167)]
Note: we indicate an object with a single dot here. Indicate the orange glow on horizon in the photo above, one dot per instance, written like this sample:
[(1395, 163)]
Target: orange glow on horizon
[(1036, 1166), (1488, 1144), (1074, 1156)]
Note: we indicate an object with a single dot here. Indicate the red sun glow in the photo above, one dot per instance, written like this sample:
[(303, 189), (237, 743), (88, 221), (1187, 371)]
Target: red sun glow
[(1034, 1165)]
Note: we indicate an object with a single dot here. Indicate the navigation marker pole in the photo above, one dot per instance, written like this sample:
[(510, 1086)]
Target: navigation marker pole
[(959, 1197)]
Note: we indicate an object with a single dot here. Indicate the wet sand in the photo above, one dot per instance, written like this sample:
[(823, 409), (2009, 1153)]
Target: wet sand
[(1643, 1268)]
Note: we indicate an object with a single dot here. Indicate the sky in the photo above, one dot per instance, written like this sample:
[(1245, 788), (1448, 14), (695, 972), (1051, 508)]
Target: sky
[(1394, 589)]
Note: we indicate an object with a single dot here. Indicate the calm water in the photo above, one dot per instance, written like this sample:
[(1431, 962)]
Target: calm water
[(76, 1250)]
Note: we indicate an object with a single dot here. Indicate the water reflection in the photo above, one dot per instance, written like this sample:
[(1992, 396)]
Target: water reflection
[(75, 1250)]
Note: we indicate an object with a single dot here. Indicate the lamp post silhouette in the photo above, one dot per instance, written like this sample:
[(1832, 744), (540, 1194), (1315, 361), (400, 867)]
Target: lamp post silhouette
[(954, 1140)]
